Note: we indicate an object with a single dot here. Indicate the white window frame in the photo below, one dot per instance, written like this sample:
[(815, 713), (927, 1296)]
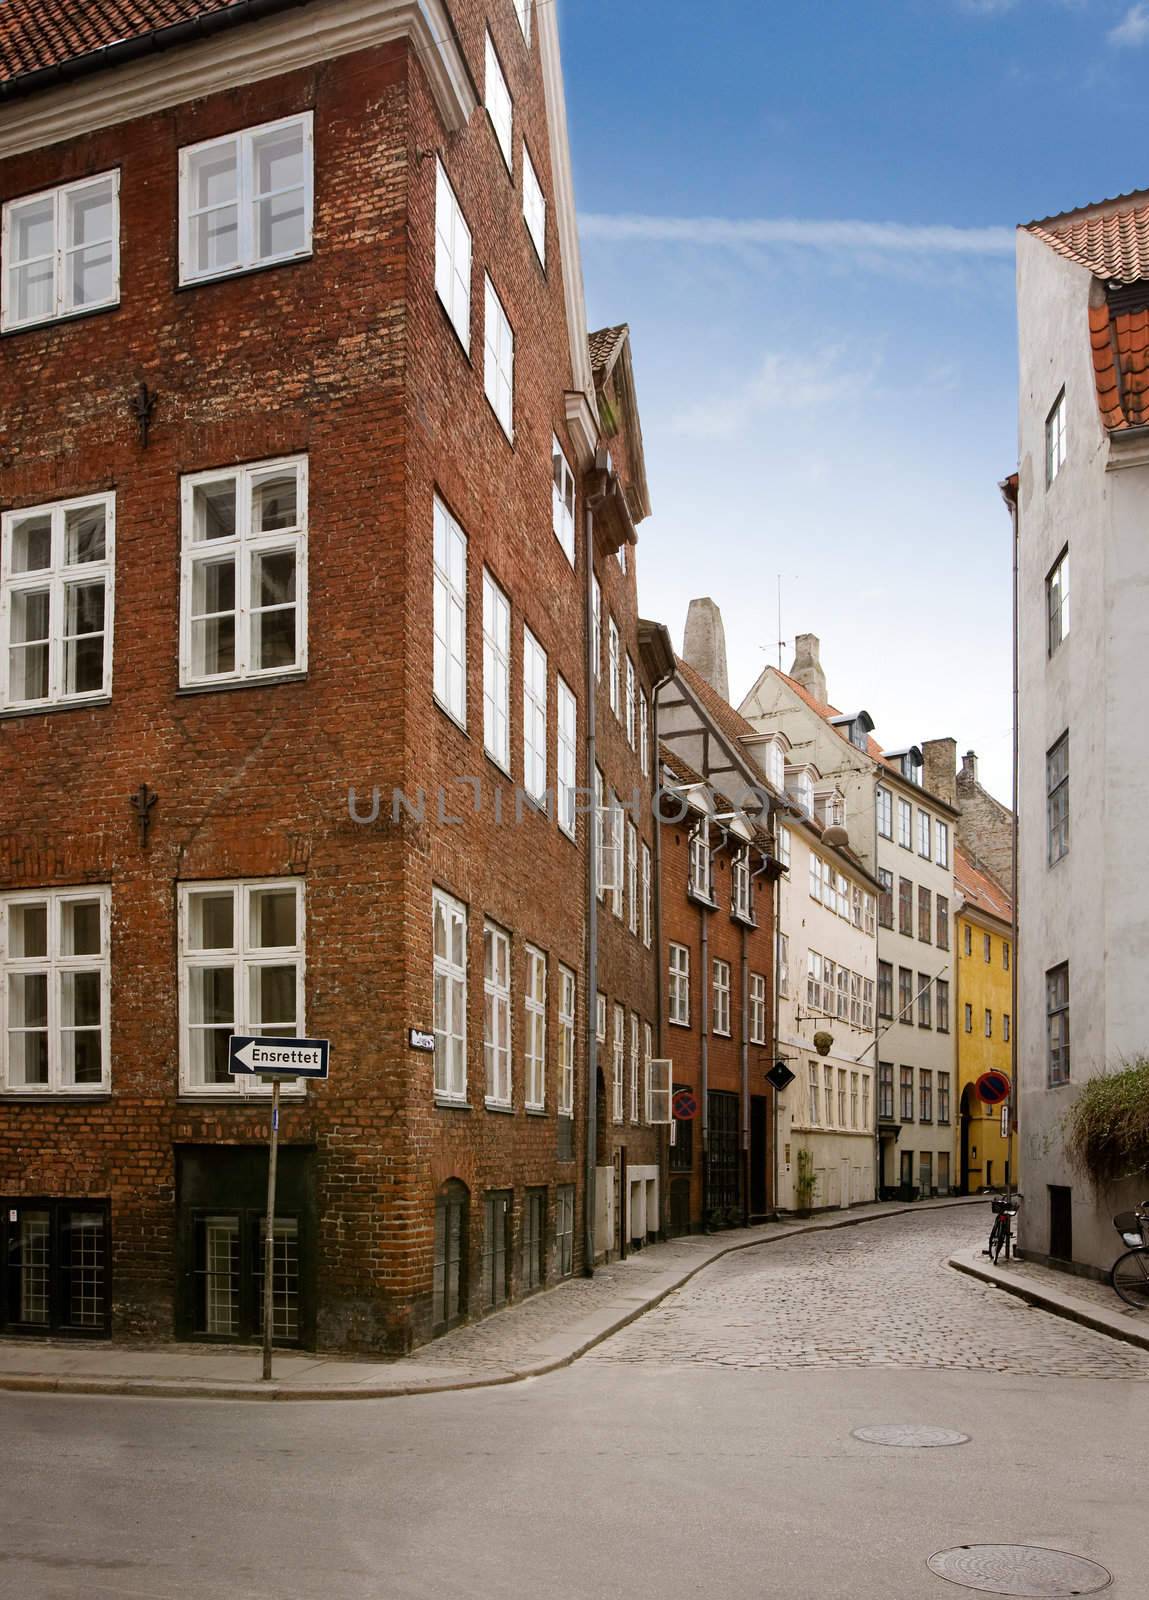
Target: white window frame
[(905, 824), (613, 663), (647, 1055), (496, 673), (564, 500), (600, 1017), (243, 548), (618, 831), (500, 106), (758, 1007), (496, 1016), (784, 847), (647, 895), (498, 359), (596, 624), (1056, 447), (741, 902), (535, 1040), (941, 843), (721, 974), (246, 200), (618, 1062), (630, 705), (632, 877), (566, 757), (568, 995), (634, 1067), (678, 987), (925, 835), (534, 207), (534, 717), (523, 13), (453, 253), (57, 578), (55, 966), (701, 880), (450, 614), (661, 1092), (643, 734), (813, 1096), (451, 1085), (783, 960), (62, 197), (885, 807), (244, 957)]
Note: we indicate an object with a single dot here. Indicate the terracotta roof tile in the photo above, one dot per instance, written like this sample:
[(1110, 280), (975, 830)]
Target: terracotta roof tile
[(38, 34), (732, 722), (826, 712), (604, 347), (979, 889), (1110, 238)]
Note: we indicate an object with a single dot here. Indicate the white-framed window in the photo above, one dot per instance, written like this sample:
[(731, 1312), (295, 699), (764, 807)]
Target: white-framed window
[(885, 802), (630, 705), (678, 989), (57, 565), (661, 1090), (618, 1058), (623, 558), (523, 12), (496, 669), (813, 1095), (634, 1066), (925, 835), (942, 843), (869, 913), (815, 878), (498, 359), (618, 833), (647, 1055), (452, 257), (757, 1008), (774, 764), (54, 991), (1057, 602), (567, 997), (905, 824), (450, 614), (783, 951), (596, 626), (534, 717), (498, 99), (61, 252), (497, 1014), (740, 899), (632, 877), (722, 997), (566, 762), (828, 1095), (613, 656), (600, 1017), (1055, 439), (246, 200), (647, 897), (241, 950), (563, 515), (815, 985), (700, 880), (609, 837), (244, 572), (643, 734), (534, 207), (784, 846), (449, 944), (535, 1005)]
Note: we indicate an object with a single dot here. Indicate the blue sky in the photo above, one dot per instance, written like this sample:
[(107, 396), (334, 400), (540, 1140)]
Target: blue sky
[(805, 212)]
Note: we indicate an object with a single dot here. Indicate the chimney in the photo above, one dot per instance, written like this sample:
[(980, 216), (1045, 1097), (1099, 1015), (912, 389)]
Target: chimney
[(704, 644), (807, 668), (967, 777), (940, 775)]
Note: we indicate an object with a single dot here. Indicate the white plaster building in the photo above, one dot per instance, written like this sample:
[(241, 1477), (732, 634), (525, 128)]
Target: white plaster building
[(903, 835), (1082, 505)]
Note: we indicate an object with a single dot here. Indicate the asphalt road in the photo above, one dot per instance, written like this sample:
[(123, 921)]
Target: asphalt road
[(704, 1451)]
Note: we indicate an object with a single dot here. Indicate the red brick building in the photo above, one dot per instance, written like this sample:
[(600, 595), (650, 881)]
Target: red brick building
[(311, 482), (718, 875)]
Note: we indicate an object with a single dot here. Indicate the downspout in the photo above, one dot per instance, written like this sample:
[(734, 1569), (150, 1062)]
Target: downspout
[(1009, 495), (592, 864), (772, 1198), (659, 967), (745, 966), (704, 1027)]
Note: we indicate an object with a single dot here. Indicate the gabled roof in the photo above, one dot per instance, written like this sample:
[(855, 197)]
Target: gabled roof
[(980, 891), (733, 724), (1110, 238), (605, 347), (37, 35)]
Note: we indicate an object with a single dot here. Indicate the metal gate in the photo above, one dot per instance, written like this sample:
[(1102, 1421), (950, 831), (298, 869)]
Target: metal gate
[(722, 1156)]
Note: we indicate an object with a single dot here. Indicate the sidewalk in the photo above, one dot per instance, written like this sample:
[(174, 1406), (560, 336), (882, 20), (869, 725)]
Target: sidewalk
[(533, 1337), (1083, 1300)]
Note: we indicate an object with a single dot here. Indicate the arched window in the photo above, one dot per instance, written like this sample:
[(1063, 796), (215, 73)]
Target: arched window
[(452, 1206)]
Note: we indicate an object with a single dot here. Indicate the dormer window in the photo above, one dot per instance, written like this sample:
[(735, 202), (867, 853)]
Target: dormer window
[(800, 788), (857, 727), (700, 876), (774, 764), (830, 807), (908, 762)]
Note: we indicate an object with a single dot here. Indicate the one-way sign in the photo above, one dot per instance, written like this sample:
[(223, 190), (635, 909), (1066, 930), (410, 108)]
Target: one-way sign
[(277, 1058)]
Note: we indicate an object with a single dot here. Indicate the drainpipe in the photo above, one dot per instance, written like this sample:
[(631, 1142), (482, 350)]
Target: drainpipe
[(590, 699), (745, 972), (772, 1198), (704, 1025), (656, 934), (1009, 495)]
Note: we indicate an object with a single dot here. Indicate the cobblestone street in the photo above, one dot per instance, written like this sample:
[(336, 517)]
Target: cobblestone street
[(867, 1297)]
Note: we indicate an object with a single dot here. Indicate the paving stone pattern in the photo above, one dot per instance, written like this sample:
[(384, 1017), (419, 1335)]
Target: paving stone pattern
[(866, 1297)]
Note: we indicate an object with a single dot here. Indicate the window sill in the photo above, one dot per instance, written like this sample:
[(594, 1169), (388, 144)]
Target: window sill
[(745, 918), (230, 685), (256, 1098), (507, 433), (503, 1107), (32, 1097), (249, 269), (444, 1103), (536, 1111), (673, 1024), (701, 899), (81, 315), (11, 713)]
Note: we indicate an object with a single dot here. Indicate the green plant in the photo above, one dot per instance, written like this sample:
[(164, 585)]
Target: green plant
[(1107, 1127), (806, 1185)]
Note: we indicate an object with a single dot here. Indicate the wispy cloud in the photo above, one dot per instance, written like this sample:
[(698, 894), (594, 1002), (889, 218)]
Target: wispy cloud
[(987, 8), (817, 379), (884, 238), (1133, 27)]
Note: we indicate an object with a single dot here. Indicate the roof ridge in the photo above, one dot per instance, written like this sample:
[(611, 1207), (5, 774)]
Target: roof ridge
[(1096, 208)]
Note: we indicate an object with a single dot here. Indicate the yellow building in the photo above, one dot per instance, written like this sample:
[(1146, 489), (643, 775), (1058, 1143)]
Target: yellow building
[(984, 1021)]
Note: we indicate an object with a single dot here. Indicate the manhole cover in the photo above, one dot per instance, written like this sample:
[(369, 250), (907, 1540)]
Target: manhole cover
[(1019, 1569), (910, 1435)]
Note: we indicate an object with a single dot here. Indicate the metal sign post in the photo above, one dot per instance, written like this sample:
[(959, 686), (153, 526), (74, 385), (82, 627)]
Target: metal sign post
[(269, 1240)]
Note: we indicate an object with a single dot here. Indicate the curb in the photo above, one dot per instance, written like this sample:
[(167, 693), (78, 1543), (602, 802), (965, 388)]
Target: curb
[(193, 1389), (1056, 1304)]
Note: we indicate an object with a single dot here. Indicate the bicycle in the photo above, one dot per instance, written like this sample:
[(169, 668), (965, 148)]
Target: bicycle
[(1129, 1274), (1001, 1234)]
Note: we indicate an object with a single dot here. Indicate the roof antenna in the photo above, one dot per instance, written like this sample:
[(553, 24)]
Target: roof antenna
[(781, 641)]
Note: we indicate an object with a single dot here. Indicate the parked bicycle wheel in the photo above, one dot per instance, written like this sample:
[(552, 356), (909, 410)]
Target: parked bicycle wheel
[(997, 1239), (1130, 1278)]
